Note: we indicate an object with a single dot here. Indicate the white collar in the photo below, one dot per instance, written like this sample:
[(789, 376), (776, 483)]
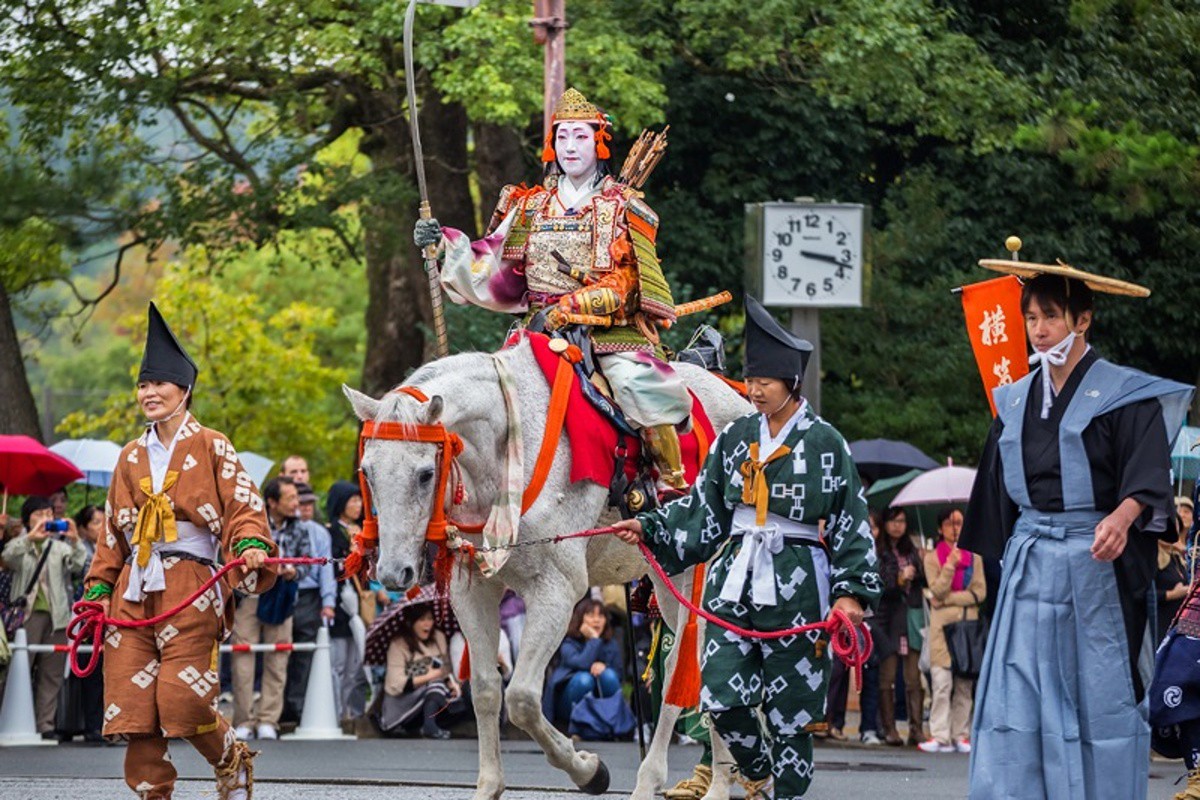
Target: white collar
[(768, 444), (574, 198), (160, 454)]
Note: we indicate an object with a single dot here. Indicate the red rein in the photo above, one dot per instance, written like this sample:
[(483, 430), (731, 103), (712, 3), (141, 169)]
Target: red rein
[(842, 639), (89, 620)]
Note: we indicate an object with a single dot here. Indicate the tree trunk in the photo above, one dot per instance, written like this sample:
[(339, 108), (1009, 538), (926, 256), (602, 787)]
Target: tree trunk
[(18, 412), (502, 156), (399, 309)]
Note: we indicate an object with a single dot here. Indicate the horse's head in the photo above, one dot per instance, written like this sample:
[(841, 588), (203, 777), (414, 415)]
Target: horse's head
[(402, 476)]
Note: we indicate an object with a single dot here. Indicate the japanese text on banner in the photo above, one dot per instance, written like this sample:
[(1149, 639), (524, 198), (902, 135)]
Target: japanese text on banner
[(997, 332)]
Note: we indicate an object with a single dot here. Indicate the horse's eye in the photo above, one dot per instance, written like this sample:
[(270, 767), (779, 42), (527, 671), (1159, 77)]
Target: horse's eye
[(425, 476)]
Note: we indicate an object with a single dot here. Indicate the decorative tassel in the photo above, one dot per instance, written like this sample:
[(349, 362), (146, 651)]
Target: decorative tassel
[(548, 154), (365, 541), (464, 667), (603, 136), (684, 690), (443, 565)]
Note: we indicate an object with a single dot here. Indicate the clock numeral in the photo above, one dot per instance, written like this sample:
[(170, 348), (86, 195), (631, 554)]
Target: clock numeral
[(795, 225), (811, 289), (829, 225), (782, 272), (841, 239), (841, 272), (785, 239), (827, 284), (777, 255), (846, 256), (796, 284), (812, 220)]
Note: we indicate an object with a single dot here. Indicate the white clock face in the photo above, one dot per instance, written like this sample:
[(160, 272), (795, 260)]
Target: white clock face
[(812, 254)]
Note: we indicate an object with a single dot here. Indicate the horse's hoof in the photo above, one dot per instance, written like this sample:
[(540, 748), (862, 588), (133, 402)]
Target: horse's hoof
[(599, 782)]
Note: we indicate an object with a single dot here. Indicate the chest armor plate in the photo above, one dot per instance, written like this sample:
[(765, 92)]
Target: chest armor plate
[(583, 240)]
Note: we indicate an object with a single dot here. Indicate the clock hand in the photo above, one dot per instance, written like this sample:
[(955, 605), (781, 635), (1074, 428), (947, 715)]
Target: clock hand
[(822, 257)]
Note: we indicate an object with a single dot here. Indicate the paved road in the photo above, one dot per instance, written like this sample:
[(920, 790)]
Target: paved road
[(415, 769)]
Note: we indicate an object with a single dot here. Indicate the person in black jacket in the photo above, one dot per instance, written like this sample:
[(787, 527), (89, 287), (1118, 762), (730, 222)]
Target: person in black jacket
[(903, 577), (344, 509)]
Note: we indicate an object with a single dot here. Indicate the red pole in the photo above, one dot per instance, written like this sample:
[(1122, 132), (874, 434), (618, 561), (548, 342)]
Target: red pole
[(549, 30)]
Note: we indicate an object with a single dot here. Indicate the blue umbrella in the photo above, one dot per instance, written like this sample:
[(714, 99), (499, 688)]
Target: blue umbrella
[(95, 458), (1185, 456)]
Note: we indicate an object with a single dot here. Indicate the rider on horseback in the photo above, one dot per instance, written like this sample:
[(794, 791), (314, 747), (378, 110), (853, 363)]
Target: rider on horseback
[(580, 244)]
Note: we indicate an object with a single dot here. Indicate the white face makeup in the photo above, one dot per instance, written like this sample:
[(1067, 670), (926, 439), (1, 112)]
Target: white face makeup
[(575, 146)]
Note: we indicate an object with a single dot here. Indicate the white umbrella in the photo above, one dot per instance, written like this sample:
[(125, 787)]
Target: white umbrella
[(95, 458), (949, 484), (258, 466)]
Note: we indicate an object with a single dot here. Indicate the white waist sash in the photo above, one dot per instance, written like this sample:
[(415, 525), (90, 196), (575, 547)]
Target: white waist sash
[(756, 560), (192, 539)]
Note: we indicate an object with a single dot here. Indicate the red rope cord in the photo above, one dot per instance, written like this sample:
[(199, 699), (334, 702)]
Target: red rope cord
[(90, 620), (844, 638)]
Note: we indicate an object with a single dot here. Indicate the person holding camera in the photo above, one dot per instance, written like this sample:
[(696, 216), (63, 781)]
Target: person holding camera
[(419, 686), (44, 560)]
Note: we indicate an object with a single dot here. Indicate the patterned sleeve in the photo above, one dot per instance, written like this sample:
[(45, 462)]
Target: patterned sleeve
[(238, 513), (854, 566), (112, 548), (691, 529)]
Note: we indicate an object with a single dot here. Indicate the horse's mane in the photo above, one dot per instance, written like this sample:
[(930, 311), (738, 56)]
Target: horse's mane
[(402, 408)]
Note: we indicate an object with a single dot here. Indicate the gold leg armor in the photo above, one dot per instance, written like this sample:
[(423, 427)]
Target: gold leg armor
[(663, 442)]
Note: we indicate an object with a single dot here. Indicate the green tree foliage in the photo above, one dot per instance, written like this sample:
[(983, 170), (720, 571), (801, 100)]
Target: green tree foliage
[(262, 381)]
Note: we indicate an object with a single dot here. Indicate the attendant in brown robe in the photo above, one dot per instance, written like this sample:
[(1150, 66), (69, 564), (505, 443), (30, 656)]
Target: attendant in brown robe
[(179, 504)]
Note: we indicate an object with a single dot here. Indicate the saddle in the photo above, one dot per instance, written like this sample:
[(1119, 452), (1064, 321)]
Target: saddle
[(606, 449)]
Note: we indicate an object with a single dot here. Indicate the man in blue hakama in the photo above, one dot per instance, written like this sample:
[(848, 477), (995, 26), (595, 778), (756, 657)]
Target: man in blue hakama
[(1072, 491)]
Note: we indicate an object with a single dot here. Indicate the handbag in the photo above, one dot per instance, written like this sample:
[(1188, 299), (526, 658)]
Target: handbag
[(596, 719), (16, 611), (918, 628), (277, 603), (966, 640)]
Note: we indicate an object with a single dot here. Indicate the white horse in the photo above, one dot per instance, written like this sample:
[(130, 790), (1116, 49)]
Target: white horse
[(465, 395)]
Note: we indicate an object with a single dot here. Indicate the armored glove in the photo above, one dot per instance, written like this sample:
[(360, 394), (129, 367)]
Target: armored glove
[(427, 232)]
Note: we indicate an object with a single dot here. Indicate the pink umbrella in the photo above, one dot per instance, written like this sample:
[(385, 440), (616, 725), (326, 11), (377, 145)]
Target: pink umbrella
[(943, 485), (28, 467)]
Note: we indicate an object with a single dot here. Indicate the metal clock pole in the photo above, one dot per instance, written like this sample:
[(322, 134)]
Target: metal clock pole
[(806, 323)]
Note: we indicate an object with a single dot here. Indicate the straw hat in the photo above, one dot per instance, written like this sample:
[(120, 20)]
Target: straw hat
[(1098, 283)]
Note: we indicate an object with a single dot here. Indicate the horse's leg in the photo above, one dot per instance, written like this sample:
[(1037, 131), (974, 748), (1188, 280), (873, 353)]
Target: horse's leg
[(477, 606), (722, 768), (548, 611)]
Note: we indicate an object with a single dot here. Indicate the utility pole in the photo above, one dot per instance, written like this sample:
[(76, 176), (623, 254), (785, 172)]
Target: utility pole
[(549, 25)]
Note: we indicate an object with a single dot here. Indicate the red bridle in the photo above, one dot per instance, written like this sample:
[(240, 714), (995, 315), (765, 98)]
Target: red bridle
[(450, 445)]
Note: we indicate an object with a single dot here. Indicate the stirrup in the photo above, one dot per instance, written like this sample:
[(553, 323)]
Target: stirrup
[(692, 788), (238, 773)]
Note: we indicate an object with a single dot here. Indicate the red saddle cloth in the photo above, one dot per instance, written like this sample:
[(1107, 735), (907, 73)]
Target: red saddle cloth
[(594, 439)]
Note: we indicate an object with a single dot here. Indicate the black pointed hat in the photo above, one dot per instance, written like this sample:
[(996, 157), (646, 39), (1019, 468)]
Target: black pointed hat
[(771, 350), (165, 359)]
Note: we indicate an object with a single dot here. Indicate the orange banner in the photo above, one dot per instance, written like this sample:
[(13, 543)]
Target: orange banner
[(997, 331)]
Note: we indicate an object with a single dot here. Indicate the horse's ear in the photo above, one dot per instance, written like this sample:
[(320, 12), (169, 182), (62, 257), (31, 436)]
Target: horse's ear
[(433, 411), (365, 407)]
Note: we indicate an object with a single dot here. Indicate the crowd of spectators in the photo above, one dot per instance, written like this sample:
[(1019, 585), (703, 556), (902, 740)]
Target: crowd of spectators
[(415, 689)]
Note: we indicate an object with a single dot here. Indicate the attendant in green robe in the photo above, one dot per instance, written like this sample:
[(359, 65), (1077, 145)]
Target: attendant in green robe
[(779, 511)]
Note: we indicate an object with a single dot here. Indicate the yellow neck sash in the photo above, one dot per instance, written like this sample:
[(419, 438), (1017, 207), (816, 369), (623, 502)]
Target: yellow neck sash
[(156, 518), (754, 489)]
